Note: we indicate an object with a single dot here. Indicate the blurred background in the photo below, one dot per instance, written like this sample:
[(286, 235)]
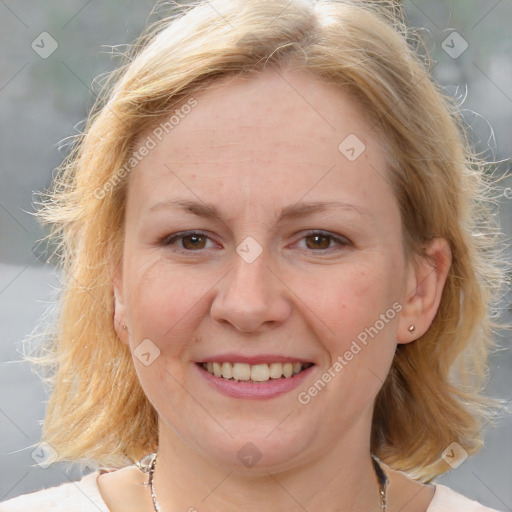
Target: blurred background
[(54, 50)]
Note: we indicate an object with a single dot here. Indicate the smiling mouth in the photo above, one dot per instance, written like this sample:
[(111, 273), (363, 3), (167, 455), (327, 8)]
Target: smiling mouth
[(254, 372)]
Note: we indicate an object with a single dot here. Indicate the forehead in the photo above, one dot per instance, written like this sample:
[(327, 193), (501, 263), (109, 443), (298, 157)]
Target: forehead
[(277, 134), (284, 104)]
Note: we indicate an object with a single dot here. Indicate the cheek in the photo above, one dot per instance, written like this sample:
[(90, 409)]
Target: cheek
[(359, 307), (361, 311), (163, 305), (163, 301)]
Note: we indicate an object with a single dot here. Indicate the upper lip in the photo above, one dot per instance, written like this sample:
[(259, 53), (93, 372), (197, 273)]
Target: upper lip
[(254, 359)]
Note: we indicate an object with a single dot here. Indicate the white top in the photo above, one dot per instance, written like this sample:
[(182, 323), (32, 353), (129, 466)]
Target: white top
[(84, 496)]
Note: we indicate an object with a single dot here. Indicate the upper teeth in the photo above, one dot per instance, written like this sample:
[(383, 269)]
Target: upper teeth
[(255, 372)]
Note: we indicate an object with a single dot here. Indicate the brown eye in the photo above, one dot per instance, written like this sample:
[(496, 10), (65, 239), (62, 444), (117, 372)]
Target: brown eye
[(192, 242), (187, 242), (318, 241)]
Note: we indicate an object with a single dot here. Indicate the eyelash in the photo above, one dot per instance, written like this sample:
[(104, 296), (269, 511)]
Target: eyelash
[(340, 240)]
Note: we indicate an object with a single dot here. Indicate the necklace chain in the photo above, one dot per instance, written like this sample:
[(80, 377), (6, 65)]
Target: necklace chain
[(148, 462)]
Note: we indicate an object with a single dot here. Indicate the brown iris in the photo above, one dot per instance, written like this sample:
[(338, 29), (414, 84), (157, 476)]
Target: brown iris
[(321, 241), (197, 241)]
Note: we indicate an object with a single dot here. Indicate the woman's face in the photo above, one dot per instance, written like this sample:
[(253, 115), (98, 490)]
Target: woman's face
[(272, 277)]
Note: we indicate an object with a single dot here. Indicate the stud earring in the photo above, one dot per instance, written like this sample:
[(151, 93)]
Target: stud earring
[(124, 327), (412, 328)]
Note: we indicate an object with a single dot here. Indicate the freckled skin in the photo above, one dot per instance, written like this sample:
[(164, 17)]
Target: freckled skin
[(251, 148)]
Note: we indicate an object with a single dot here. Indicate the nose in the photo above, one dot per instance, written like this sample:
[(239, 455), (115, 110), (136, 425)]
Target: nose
[(251, 297)]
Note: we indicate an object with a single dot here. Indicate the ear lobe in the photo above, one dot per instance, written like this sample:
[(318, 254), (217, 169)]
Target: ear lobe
[(424, 288), (119, 314)]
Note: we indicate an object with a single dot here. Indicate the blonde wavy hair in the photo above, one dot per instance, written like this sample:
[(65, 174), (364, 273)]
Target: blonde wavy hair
[(97, 413)]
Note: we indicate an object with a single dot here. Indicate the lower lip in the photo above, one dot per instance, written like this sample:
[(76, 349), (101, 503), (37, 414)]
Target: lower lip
[(254, 390)]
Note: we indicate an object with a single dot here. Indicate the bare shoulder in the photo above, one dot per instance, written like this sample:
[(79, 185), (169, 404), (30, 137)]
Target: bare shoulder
[(128, 475), (124, 490)]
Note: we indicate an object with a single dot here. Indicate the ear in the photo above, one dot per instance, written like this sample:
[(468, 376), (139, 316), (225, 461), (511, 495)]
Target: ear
[(119, 315), (424, 287)]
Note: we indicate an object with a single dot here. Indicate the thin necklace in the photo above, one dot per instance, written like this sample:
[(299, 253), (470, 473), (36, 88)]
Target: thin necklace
[(148, 462)]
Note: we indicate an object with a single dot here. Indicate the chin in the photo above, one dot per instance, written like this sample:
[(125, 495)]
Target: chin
[(255, 454)]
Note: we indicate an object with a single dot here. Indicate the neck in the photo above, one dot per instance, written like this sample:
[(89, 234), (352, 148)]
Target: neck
[(341, 479)]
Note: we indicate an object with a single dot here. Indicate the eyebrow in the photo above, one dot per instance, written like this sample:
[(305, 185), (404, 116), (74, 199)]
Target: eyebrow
[(294, 211)]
